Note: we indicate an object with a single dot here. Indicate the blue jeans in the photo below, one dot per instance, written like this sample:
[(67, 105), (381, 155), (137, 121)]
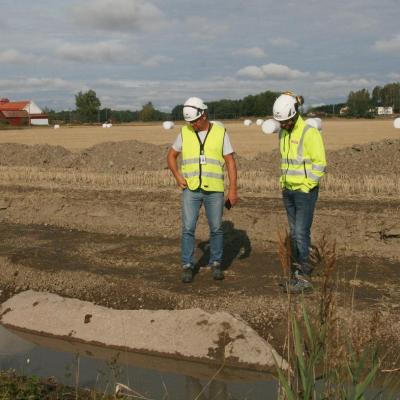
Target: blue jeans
[(214, 206), (300, 208)]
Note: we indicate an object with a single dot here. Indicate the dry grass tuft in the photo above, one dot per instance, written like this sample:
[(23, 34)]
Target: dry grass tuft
[(248, 181)]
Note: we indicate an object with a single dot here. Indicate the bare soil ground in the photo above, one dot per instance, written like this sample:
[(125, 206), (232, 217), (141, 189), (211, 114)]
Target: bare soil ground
[(120, 248)]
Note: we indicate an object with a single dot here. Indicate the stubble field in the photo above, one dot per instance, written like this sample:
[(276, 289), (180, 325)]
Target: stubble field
[(93, 213)]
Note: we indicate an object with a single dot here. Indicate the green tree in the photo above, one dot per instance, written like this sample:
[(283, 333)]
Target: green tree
[(377, 96), (87, 106), (359, 103), (148, 112), (391, 96)]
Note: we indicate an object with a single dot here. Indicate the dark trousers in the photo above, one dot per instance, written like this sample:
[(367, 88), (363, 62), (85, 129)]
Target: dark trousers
[(300, 208)]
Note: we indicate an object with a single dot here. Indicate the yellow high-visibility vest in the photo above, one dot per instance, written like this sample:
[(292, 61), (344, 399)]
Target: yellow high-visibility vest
[(203, 164), (303, 161)]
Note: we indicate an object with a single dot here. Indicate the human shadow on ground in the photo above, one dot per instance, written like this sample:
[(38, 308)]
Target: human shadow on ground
[(236, 245)]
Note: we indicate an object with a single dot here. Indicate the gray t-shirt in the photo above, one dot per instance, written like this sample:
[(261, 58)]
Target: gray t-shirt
[(228, 149)]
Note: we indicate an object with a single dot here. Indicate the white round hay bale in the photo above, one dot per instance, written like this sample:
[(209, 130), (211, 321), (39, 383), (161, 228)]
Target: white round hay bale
[(259, 122), (247, 122), (314, 122), (270, 126), (168, 124), (396, 123), (56, 126), (218, 123)]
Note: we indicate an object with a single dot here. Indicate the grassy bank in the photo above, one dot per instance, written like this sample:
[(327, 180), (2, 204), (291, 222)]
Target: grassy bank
[(15, 387), (332, 356)]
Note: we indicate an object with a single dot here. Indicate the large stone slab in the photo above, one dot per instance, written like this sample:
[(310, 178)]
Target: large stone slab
[(191, 334)]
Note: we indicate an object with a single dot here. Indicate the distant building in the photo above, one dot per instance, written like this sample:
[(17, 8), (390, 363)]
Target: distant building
[(384, 110), (344, 110), (22, 112)]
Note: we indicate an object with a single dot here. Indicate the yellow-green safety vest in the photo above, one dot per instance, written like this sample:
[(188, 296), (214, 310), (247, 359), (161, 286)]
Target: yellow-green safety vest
[(303, 161), (209, 175)]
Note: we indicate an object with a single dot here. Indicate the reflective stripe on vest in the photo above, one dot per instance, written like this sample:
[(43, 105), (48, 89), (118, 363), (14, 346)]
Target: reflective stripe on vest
[(295, 171), (208, 176)]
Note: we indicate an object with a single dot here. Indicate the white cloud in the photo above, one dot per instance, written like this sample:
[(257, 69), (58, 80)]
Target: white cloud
[(282, 42), (271, 71), (43, 84), (395, 76), (349, 84), (12, 56), (156, 61), (120, 15), (324, 75), (102, 52), (203, 28), (391, 46), (255, 52)]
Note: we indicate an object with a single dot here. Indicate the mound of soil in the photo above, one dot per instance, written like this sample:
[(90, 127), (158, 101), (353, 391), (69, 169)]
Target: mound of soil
[(13, 154), (122, 157), (376, 158)]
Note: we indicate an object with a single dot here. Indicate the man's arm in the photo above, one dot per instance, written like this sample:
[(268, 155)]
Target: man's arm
[(315, 147), (232, 175), (172, 157)]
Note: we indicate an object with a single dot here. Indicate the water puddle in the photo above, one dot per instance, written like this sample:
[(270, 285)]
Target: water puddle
[(95, 367)]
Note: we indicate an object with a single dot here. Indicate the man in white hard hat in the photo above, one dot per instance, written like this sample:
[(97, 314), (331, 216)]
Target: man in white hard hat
[(303, 164), (205, 149)]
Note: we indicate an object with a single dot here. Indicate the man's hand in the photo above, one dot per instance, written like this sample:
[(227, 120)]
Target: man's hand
[(172, 165), (181, 181), (232, 175), (233, 197)]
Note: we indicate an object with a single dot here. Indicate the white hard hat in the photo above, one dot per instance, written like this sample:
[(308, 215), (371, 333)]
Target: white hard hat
[(193, 109), (285, 107)]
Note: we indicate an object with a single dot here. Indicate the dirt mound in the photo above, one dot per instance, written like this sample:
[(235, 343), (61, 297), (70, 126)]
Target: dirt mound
[(375, 158), (13, 154), (120, 157), (105, 157)]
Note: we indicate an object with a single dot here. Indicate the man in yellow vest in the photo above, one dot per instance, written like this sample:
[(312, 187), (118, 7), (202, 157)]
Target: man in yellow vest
[(205, 149), (303, 164)]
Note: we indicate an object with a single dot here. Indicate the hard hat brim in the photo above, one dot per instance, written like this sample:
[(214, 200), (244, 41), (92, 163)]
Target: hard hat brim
[(199, 113), (284, 119)]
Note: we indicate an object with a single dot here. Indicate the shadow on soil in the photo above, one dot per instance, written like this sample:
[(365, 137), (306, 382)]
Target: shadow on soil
[(154, 262), (236, 246)]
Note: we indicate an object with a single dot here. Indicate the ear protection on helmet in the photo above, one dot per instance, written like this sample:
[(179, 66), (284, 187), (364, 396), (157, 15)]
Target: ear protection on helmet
[(299, 99)]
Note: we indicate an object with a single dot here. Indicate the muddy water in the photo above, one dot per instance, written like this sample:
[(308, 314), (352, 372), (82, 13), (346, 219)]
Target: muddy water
[(98, 368)]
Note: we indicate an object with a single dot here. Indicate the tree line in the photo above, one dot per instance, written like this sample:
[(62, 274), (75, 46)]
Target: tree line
[(359, 104), (362, 103)]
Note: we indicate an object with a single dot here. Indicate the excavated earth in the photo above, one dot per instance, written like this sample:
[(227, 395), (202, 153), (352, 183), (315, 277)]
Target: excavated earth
[(121, 248)]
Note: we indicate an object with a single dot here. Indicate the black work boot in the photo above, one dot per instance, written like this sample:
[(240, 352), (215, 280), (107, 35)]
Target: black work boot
[(187, 274), (217, 272)]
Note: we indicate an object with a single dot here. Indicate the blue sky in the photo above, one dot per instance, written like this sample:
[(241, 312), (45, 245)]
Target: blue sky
[(164, 51)]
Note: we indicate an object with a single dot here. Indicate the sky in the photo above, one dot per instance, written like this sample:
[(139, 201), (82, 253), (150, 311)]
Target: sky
[(131, 52)]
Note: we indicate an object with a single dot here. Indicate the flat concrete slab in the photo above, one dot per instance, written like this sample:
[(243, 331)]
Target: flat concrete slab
[(193, 334)]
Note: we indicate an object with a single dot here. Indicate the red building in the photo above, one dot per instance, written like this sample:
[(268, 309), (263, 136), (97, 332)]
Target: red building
[(18, 113)]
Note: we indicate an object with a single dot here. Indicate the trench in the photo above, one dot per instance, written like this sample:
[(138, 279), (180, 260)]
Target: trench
[(91, 367)]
